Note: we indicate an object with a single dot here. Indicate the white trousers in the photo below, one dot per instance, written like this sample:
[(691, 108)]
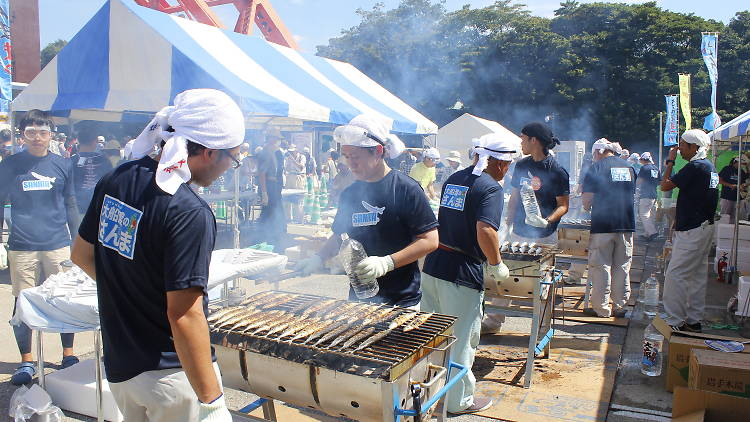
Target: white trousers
[(158, 396), (728, 207), (610, 256), (646, 212), (687, 274), (449, 298)]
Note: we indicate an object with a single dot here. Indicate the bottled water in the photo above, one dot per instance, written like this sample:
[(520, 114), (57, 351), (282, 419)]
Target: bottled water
[(528, 199), (352, 253), (652, 352), (651, 297)]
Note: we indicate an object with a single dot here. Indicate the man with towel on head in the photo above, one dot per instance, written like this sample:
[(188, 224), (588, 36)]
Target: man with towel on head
[(687, 274), (453, 282), (648, 180), (147, 240), (383, 209)]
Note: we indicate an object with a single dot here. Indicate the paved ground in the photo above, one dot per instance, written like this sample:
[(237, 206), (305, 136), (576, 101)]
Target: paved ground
[(635, 396)]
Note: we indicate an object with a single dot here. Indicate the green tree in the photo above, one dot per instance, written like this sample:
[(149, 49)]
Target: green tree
[(51, 50)]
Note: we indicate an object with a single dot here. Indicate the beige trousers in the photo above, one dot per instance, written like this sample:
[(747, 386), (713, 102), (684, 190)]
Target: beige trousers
[(26, 266), (158, 396), (610, 256), (647, 213)]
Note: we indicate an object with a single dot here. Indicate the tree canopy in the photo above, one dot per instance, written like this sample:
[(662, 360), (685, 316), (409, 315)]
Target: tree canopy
[(50, 51), (593, 70)]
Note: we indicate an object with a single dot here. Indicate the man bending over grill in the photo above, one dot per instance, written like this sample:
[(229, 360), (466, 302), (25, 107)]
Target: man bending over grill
[(385, 210), (471, 207), (147, 239)]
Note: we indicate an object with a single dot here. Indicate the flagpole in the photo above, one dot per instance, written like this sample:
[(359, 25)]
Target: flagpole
[(661, 137)]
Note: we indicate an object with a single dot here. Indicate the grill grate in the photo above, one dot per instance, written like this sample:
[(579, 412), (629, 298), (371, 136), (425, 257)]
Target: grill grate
[(387, 358)]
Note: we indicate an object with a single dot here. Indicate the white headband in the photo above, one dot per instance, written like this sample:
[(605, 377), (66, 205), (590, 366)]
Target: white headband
[(497, 146), (205, 116), (367, 132)]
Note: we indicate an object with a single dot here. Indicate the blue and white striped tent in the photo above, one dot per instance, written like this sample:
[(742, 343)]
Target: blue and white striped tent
[(739, 126), (129, 61)]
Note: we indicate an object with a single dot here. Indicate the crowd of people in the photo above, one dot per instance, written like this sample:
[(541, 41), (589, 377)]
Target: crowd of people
[(152, 273)]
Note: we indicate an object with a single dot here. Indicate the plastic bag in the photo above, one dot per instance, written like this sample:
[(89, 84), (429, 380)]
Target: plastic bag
[(27, 402)]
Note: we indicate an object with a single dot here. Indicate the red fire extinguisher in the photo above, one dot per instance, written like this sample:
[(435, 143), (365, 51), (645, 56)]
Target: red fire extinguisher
[(723, 262)]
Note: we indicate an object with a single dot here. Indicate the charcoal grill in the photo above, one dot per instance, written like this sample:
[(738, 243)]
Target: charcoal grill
[(529, 293), (374, 383)]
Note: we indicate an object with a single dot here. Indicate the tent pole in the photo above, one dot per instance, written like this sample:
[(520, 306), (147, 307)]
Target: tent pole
[(735, 240)]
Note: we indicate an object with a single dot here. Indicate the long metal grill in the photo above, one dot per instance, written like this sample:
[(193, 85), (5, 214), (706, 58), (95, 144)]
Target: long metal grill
[(357, 338), (524, 251)]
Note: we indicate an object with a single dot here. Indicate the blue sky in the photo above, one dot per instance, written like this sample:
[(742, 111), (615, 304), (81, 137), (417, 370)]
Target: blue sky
[(313, 22)]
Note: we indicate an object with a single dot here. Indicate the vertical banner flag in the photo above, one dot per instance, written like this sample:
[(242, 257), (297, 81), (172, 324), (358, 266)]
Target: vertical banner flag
[(6, 93), (672, 126), (710, 52), (685, 103)]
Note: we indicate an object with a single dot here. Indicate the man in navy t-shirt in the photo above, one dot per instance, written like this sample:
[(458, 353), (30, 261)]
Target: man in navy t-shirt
[(89, 165), (39, 187), (730, 177), (549, 181), (609, 192), (687, 274), (648, 180), (385, 210), (147, 240), (453, 282)]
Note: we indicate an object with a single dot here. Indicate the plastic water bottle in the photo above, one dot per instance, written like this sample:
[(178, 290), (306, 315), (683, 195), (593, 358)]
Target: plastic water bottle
[(652, 352), (528, 199), (352, 253), (651, 297)]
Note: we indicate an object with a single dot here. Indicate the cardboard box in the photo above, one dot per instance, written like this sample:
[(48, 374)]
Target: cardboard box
[(720, 372), (727, 244), (574, 234), (726, 231), (573, 247), (690, 405), (678, 355)]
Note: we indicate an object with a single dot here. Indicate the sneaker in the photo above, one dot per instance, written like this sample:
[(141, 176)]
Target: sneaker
[(570, 281), (678, 327), (24, 373), (480, 404), (693, 328), (619, 313), (592, 313), (68, 361)]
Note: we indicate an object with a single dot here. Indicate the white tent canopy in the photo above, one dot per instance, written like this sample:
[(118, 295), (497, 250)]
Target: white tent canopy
[(457, 135)]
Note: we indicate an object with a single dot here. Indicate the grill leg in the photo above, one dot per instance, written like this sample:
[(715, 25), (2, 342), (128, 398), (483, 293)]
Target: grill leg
[(533, 336), (269, 411)]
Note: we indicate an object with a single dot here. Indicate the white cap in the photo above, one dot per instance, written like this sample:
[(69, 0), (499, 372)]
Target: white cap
[(634, 157), (205, 116), (500, 146), (369, 131), (292, 147), (604, 145), (432, 153), (646, 156), (454, 156)]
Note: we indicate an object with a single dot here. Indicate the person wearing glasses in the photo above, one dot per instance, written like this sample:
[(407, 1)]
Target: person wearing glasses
[(39, 187), (147, 239)]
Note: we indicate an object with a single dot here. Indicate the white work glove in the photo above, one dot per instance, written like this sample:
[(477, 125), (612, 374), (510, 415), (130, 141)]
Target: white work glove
[(310, 265), (536, 221), (264, 198), (494, 275), (3, 257), (216, 411), (374, 267)]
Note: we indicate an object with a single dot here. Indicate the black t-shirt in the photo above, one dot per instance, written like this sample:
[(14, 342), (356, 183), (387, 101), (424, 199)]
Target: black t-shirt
[(465, 200), (696, 202), (146, 243), (549, 180), (386, 216), (88, 168), (612, 181), (37, 188), (729, 174), (650, 179)]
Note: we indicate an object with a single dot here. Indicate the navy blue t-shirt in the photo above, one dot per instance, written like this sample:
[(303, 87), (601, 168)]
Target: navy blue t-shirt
[(386, 216), (37, 188), (650, 179), (612, 181), (696, 203), (729, 174), (465, 200), (146, 243), (88, 168), (549, 180)]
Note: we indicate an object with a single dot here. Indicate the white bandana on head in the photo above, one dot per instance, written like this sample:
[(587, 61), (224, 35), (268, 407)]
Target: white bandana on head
[(367, 132), (700, 138), (205, 116), (604, 145), (646, 156), (499, 146)]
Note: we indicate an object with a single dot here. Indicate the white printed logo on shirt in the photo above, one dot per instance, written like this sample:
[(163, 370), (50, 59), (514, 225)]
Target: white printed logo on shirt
[(655, 173), (370, 218), (454, 197), (714, 181), (620, 174), (41, 183), (118, 226)]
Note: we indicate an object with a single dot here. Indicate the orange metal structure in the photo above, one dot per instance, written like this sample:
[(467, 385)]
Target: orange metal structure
[(259, 11)]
